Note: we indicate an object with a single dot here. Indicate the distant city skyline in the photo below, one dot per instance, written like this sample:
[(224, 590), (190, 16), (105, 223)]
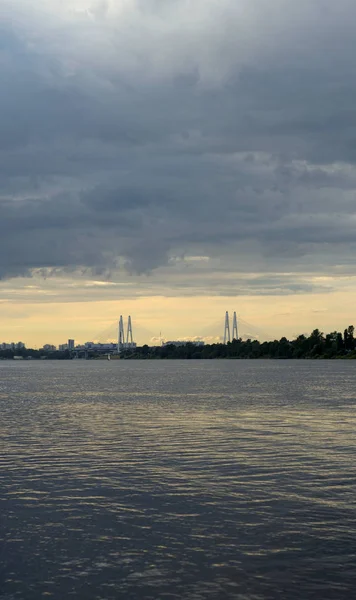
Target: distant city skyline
[(94, 329)]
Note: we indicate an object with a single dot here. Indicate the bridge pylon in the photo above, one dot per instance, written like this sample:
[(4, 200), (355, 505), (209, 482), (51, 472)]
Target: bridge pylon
[(235, 335), (227, 328)]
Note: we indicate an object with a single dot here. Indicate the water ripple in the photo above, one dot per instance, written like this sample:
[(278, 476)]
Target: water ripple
[(177, 480)]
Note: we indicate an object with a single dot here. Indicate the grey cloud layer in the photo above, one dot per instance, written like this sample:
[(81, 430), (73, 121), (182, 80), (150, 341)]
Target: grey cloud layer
[(134, 132)]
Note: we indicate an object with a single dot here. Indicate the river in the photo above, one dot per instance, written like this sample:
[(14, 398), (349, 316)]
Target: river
[(164, 480)]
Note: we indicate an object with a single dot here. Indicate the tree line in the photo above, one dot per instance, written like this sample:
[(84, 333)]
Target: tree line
[(316, 345), (30, 353)]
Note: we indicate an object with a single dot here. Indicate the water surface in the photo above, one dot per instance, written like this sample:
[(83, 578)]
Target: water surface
[(177, 480)]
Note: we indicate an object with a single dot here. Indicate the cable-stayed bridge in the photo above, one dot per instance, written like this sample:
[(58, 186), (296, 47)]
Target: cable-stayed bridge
[(246, 330), (213, 333)]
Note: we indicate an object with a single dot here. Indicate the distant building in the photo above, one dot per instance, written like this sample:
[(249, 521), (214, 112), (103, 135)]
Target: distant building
[(127, 346), (12, 346), (70, 345), (97, 347), (179, 343)]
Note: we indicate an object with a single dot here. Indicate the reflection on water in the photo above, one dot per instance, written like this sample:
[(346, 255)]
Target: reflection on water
[(177, 480)]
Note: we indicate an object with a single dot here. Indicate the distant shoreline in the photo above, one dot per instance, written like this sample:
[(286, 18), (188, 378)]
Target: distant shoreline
[(334, 345), (140, 358)]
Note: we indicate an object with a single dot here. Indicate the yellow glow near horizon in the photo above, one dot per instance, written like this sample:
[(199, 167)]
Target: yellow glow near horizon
[(174, 317)]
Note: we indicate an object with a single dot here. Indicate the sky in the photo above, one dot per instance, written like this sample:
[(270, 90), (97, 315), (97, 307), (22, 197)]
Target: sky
[(174, 159)]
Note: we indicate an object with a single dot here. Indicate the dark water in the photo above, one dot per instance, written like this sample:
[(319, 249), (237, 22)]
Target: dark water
[(178, 480)]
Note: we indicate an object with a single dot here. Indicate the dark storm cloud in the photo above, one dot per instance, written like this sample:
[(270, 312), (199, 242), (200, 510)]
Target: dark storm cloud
[(132, 133)]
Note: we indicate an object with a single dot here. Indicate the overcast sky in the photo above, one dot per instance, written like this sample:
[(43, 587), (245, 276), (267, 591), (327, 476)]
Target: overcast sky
[(174, 159)]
